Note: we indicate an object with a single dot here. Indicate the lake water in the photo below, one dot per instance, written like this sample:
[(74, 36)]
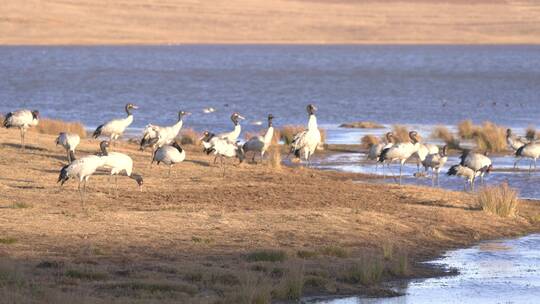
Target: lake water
[(504, 271), (419, 86)]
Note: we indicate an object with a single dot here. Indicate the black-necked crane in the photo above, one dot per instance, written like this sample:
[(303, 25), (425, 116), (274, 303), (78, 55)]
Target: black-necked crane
[(119, 164), (235, 133), (375, 150), (400, 152), (22, 119), (169, 155), (116, 127), (222, 148), (515, 142), (466, 173), (305, 143), (69, 141), (158, 136), (479, 163), (260, 144), (423, 151), (532, 151), (436, 162), (81, 169)]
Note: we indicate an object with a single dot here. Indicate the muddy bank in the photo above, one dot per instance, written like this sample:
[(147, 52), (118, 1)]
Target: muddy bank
[(198, 237)]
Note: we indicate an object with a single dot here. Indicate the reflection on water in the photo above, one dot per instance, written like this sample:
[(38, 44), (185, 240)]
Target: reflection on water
[(506, 271)]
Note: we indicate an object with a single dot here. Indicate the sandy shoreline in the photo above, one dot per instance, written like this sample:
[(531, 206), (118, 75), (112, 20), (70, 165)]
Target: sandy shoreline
[(201, 238)]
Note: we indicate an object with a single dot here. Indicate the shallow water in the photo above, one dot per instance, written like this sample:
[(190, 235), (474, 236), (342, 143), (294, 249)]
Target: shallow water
[(505, 271), (525, 183)]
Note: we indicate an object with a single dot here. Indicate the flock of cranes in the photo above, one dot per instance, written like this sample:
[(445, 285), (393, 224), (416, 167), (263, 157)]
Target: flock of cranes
[(162, 140), (167, 150)]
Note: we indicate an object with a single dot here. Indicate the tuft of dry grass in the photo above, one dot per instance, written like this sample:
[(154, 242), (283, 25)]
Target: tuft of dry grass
[(531, 134), (189, 137), (466, 129), (491, 137), (274, 155), (488, 136), (335, 251), (369, 140), (288, 132), (500, 200), (292, 284), (442, 133), (362, 125), (55, 126), (401, 133), (366, 271)]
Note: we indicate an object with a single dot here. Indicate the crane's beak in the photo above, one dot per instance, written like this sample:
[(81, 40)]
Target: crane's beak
[(188, 113), (135, 107), (241, 117)]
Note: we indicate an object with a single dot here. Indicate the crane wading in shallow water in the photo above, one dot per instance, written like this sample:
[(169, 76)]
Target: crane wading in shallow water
[(22, 119), (401, 152), (305, 143), (116, 127), (260, 144), (530, 150), (157, 136), (436, 162), (375, 149)]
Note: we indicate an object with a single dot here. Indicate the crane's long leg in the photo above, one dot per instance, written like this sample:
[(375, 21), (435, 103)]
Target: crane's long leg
[(22, 138), (68, 156), (516, 163), (400, 172), (116, 185), (170, 167)]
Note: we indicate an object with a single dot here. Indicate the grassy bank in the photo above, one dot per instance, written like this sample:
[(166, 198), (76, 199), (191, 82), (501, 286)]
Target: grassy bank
[(257, 235)]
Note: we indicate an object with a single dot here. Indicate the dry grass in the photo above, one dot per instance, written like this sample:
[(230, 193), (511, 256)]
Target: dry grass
[(362, 125), (466, 129), (189, 137), (488, 136), (54, 126), (500, 200), (531, 133), (491, 137), (367, 270), (186, 238), (288, 132), (274, 156), (369, 140), (401, 133), (442, 133)]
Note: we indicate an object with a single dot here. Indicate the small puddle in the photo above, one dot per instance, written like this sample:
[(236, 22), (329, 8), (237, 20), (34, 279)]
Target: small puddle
[(504, 271)]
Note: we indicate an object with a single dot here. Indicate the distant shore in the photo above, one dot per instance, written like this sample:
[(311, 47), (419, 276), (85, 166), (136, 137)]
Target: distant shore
[(153, 22)]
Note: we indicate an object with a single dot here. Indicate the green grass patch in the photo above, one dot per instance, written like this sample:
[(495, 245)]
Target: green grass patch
[(20, 205), (85, 274), (8, 240), (268, 255), (335, 251), (306, 254)]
